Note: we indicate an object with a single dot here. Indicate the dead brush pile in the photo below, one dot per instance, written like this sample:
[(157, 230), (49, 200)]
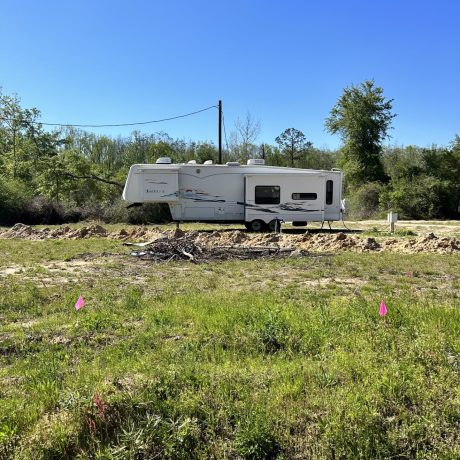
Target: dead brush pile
[(187, 246)]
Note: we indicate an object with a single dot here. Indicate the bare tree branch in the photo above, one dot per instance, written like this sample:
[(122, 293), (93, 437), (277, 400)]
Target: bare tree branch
[(94, 177)]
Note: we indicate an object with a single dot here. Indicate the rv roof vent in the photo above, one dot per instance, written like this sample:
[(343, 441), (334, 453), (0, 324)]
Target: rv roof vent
[(232, 163), (208, 162), (192, 162), (163, 161), (256, 161)]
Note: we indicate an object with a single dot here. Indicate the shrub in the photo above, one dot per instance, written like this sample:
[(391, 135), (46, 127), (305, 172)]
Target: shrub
[(41, 210), (145, 214), (363, 202), (15, 207), (425, 197), (13, 195)]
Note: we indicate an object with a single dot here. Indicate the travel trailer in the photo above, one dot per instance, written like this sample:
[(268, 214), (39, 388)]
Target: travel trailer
[(257, 195)]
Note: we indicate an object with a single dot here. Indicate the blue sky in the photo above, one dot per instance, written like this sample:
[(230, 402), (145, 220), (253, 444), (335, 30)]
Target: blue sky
[(285, 62)]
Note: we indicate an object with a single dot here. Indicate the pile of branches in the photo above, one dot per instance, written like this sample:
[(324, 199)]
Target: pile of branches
[(166, 249), (169, 249)]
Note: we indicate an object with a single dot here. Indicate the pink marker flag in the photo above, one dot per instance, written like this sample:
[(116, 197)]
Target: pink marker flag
[(383, 309), (80, 303)]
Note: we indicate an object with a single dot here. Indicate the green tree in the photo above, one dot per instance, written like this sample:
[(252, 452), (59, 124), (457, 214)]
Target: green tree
[(23, 142), (273, 156), (206, 151), (424, 182), (293, 144), (17, 125), (362, 117)]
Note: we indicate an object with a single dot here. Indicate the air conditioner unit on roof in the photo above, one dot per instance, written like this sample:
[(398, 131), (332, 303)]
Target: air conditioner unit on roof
[(256, 161)]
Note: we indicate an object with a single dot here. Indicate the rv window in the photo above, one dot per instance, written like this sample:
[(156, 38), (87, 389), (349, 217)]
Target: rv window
[(304, 196), (267, 194), (329, 191)]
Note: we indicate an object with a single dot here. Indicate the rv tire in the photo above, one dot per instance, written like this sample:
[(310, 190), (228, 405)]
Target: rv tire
[(256, 226)]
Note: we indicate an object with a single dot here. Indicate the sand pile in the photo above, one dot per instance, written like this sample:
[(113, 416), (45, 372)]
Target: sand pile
[(429, 243), (23, 231), (307, 241), (327, 242)]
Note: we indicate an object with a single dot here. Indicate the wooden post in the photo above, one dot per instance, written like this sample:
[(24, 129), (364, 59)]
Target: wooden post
[(220, 132)]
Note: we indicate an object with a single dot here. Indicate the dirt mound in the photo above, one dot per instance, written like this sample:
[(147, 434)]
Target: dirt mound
[(237, 239), (338, 242), (87, 232), (18, 231), (140, 233), (57, 233), (23, 231), (326, 242), (429, 243)]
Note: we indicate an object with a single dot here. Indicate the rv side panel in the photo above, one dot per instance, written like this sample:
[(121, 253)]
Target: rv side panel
[(212, 193), (290, 197)]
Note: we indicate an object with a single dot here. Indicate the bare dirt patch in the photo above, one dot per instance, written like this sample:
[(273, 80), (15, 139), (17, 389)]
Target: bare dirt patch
[(10, 270), (440, 228), (58, 272)]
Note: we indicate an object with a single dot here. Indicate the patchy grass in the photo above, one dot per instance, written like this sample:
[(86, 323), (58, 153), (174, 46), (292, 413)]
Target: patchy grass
[(408, 227), (244, 359)]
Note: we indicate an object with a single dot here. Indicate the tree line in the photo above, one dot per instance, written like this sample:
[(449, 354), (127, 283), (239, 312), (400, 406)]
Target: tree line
[(68, 174)]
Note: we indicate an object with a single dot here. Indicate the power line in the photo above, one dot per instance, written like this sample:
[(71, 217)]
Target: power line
[(71, 125)]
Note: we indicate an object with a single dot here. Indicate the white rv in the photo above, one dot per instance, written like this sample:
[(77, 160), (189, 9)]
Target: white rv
[(254, 194)]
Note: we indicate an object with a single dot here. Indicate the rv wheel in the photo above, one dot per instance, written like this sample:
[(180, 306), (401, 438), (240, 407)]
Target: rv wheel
[(255, 226)]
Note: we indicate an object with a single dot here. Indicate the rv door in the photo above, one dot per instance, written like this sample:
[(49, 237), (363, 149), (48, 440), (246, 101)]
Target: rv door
[(291, 197)]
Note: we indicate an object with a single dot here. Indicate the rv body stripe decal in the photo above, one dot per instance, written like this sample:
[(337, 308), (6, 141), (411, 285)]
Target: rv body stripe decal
[(195, 195), (281, 207), (200, 196)]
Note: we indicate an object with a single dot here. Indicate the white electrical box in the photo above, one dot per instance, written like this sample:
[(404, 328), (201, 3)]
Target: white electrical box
[(392, 217)]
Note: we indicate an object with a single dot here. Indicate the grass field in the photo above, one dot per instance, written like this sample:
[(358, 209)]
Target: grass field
[(258, 359)]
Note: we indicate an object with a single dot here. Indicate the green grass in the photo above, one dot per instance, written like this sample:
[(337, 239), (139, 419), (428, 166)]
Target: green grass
[(258, 359)]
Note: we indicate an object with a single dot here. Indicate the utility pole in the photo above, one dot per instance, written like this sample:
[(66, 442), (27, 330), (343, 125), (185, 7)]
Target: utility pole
[(220, 131)]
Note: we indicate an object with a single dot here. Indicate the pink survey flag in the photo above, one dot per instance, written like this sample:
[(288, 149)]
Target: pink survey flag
[(80, 303), (383, 309)]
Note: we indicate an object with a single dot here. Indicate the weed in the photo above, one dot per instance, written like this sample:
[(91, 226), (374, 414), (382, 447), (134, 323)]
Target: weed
[(273, 331), (133, 298), (255, 439)]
